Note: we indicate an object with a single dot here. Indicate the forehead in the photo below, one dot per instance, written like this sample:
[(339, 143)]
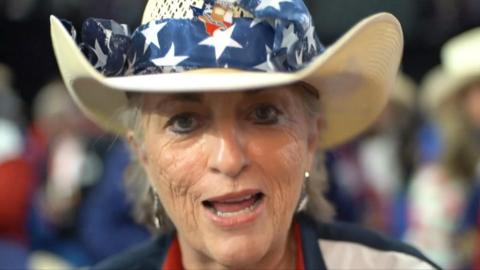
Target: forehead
[(162, 99)]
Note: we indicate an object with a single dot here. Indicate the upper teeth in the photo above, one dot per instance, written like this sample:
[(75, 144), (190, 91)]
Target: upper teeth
[(239, 199)]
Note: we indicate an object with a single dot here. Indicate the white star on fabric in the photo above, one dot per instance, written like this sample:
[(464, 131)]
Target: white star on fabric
[(270, 3), (289, 36), (101, 57), (311, 38), (169, 59), (221, 40), (151, 34), (267, 65)]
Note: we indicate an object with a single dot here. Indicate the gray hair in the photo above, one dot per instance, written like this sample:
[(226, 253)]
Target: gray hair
[(147, 206)]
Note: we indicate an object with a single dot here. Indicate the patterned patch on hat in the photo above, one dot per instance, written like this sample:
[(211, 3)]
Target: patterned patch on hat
[(185, 9), (173, 9), (218, 14)]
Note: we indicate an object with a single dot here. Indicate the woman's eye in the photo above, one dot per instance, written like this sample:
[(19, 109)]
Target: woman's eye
[(265, 114), (183, 123)]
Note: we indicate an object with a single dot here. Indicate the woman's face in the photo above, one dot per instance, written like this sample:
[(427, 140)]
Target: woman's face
[(229, 168)]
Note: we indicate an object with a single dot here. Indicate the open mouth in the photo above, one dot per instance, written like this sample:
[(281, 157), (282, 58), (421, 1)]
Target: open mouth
[(234, 205)]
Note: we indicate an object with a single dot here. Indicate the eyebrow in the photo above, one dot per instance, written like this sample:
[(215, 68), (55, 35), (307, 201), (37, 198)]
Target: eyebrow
[(255, 92), (196, 97), (193, 97), (190, 97)]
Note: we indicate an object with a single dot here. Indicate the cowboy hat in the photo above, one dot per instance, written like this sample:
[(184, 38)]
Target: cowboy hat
[(459, 68), (403, 92), (352, 75)]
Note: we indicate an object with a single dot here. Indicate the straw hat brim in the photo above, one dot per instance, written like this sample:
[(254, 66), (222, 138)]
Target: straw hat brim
[(460, 68), (353, 77), (439, 86)]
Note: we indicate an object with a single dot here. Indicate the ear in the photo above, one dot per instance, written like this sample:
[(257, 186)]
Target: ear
[(137, 148)]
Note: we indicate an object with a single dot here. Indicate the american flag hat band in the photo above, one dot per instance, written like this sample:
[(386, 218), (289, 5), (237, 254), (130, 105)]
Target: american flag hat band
[(276, 36)]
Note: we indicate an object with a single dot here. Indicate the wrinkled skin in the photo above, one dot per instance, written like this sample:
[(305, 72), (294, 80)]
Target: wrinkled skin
[(198, 146)]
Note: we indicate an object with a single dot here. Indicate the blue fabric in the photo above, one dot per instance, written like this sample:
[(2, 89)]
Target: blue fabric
[(45, 236), (430, 143), (346, 209), (279, 37), (312, 256), (399, 219), (107, 226), (12, 255), (471, 217)]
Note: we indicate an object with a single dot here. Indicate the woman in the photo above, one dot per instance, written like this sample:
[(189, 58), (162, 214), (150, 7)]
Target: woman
[(228, 149), (440, 190), (373, 169)]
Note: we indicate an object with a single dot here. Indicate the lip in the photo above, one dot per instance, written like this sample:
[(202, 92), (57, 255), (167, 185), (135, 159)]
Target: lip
[(234, 195), (238, 221)]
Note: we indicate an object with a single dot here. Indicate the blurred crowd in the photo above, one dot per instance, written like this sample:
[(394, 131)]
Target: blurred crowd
[(62, 201), (414, 175)]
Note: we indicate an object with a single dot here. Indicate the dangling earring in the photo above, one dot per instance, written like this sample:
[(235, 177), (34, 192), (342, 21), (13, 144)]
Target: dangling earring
[(156, 207), (304, 196), (156, 220)]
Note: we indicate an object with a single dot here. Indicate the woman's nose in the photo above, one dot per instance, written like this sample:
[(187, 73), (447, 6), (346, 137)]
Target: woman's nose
[(228, 157)]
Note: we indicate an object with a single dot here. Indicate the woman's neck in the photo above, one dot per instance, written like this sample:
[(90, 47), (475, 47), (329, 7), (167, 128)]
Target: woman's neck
[(280, 256)]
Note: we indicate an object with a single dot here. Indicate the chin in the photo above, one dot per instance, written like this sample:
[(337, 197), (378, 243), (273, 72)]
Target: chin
[(240, 250), (243, 245)]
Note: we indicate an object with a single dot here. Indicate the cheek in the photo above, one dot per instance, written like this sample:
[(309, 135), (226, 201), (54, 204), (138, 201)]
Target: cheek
[(473, 107), (282, 157), (279, 153), (175, 172)]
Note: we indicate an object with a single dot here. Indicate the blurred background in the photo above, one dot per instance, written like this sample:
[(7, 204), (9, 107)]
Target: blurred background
[(414, 175)]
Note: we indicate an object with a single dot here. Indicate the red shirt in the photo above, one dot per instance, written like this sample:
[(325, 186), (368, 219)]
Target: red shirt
[(16, 184)]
